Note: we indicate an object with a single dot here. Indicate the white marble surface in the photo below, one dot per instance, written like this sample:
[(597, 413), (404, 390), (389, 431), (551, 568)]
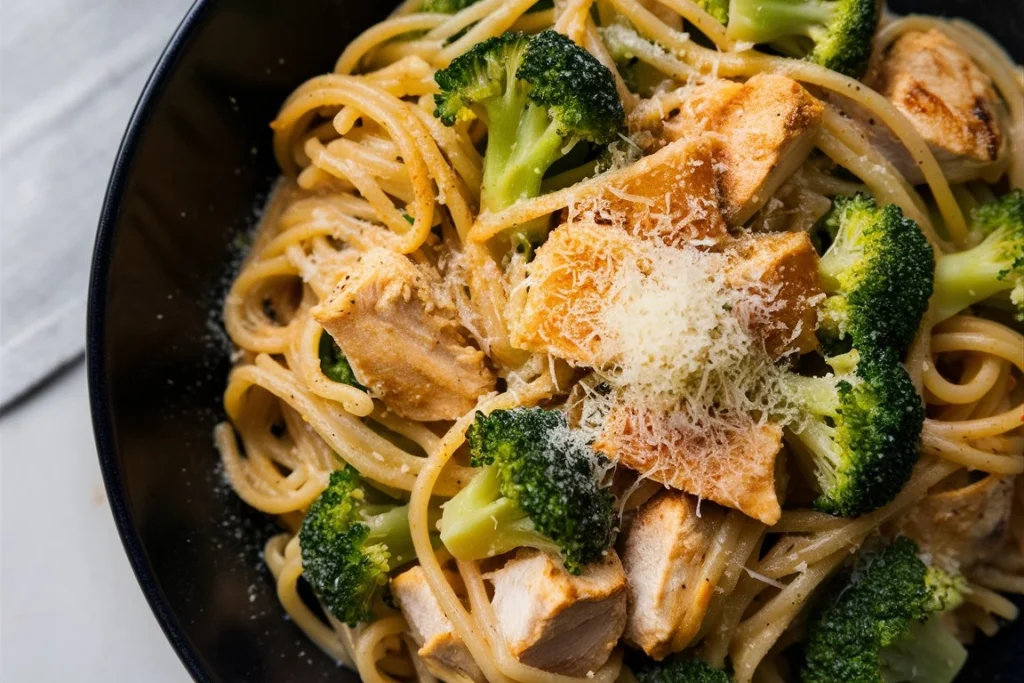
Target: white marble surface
[(70, 73), (70, 609)]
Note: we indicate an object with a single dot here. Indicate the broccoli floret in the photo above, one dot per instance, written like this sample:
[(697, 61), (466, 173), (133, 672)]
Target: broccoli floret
[(676, 671), (333, 363), (446, 6), (877, 623), (539, 96), (719, 9), (350, 543), (540, 487), (859, 430), (877, 273), (994, 266), (834, 33)]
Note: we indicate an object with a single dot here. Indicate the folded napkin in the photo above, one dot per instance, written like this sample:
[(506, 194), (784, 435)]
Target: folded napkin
[(70, 72)]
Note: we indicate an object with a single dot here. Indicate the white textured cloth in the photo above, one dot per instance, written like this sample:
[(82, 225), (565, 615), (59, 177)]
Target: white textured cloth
[(70, 73)]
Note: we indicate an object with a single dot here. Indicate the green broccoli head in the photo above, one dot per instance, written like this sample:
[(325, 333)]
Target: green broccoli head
[(539, 95), (877, 274), (875, 624), (719, 9), (540, 487), (333, 363), (676, 671), (446, 6), (994, 266), (860, 430), (349, 544), (836, 34)]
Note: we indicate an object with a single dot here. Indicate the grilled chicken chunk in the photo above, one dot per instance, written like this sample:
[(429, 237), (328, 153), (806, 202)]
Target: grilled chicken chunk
[(949, 100), (670, 196), (570, 278), (558, 622), (662, 551), (441, 649), (785, 265), (737, 469), (403, 339), (762, 131), (959, 527), (574, 271)]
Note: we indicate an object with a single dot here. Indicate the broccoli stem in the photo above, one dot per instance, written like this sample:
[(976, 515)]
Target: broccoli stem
[(484, 523), (520, 149), (766, 21), (967, 277), (930, 653), (390, 526)]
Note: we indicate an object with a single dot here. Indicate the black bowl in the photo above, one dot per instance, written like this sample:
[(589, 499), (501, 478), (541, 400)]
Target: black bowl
[(193, 171)]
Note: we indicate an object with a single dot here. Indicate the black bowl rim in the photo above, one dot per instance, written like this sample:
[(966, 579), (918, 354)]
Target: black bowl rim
[(96, 314)]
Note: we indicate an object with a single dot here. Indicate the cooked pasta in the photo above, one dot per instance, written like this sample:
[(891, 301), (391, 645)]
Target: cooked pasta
[(392, 297)]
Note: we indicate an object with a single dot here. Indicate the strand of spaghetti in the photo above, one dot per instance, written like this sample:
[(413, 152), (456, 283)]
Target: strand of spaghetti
[(990, 601), (272, 502), (744, 553), (507, 662), (715, 646), (495, 23), (983, 343), (994, 425), (535, 21), (337, 207), (462, 20), (371, 454), (711, 28), (979, 377), (409, 240), (244, 319), (701, 588), (997, 580), (572, 21), (381, 33), (368, 646), (462, 155), (969, 456), (816, 548), (849, 148), (750, 63), (321, 455), (756, 635), (968, 323), (409, 75), (807, 522)]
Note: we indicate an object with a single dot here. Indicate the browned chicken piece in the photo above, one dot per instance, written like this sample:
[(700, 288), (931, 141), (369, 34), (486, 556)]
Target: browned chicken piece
[(570, 278), (948, 99), (736, 469), (670, 196), (441, 649), (961, 526), (403, 340), (574, 271), (785, 265), (558, 622), (762, 131), (662, 551)]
